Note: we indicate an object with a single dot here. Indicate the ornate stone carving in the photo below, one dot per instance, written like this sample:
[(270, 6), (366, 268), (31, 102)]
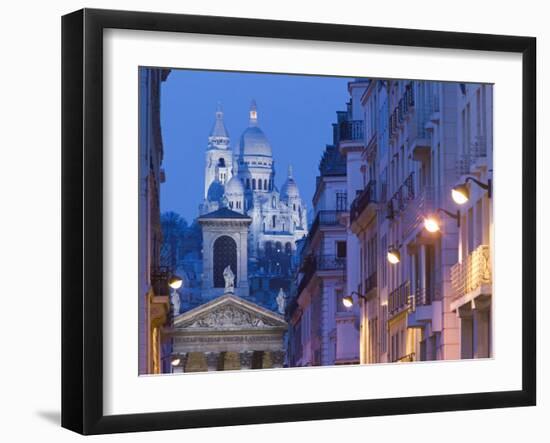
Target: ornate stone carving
[(228, 317)]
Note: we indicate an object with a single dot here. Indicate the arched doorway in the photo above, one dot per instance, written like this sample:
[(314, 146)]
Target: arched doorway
[(225, 254)]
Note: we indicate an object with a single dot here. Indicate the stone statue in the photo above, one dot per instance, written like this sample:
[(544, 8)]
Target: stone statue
[(281, 301), (175, 298), (229, 278)]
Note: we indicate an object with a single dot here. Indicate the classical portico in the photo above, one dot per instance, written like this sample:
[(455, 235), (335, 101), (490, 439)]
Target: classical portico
[(228, 333)]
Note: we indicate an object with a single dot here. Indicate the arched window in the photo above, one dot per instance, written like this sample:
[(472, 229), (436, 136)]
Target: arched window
[(294, 206), (288, 248), (273, 220), (253, 183), (247, 183), (265, 184), (273, 203), (260, 184), (278, 246), (268, 248), (225, 254)]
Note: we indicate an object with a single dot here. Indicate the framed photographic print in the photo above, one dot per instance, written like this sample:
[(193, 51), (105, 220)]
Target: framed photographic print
[(269, 221)]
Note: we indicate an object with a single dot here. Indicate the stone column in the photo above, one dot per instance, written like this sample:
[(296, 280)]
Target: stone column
[(196, 362), (466, 333), (481, 333)]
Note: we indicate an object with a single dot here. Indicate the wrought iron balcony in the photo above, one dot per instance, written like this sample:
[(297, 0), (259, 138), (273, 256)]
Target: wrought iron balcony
[(351, 130), (404, 194), (477, 150), (312, 264), (365, 197), (472, 273), (324, 218), (416, 209), (399, 299)]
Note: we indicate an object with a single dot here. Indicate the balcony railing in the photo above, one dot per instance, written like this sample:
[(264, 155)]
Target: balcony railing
[(324, 218), (473, 272), (416, 209), (365, 197), (351, 130), (312, 264), (425, 296), (399, 299), (404, 194), (477, 149)]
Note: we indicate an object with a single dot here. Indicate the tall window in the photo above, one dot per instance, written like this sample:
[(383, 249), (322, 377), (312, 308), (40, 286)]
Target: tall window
[(253, 183), (273, 221), (265, 184), (341, 249), (225, 254), (247, 183)]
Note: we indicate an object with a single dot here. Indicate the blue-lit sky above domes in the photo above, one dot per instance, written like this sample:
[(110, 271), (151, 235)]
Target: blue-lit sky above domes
[(295, 113)]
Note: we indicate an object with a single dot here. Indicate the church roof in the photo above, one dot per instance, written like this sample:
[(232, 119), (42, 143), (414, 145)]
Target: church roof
[(253, 139), (290, 188), (223, 213), (219, 129), (234, 186)]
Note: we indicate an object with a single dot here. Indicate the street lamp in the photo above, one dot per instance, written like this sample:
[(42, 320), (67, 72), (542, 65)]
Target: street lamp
[(175, 282), (347, 301), (393, 255), (176, 361), (461, 192), (432, 224)]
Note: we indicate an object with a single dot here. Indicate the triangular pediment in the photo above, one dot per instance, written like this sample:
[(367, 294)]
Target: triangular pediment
[(229, 313)]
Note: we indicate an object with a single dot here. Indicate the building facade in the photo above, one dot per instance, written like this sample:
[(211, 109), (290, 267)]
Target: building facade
[(154, 301), (420, 140), (471, 276)]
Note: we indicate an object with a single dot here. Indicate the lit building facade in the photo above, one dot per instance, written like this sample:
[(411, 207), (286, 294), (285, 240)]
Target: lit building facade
[(471, 276), (154, 301), (420, 139)]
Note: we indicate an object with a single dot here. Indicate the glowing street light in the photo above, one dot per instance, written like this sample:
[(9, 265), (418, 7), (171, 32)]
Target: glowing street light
[(347, 301), (175, 282), (393, 255), (176, 361), (431, 224), (461, 193)]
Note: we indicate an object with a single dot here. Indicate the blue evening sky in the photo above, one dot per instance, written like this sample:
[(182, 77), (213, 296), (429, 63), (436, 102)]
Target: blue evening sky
[(295, 112)]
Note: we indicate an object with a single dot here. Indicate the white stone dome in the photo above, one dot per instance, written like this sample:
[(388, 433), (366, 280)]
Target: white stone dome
[(254, 142), (234, 186), (290, 188)]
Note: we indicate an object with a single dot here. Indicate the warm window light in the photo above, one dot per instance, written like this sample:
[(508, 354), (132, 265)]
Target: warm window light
[(175, 282), (347, 301), (460, 194), (431, 224), (394, 256), (176, 361)]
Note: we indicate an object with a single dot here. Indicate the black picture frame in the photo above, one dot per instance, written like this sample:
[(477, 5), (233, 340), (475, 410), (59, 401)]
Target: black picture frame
[(82, 219)]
